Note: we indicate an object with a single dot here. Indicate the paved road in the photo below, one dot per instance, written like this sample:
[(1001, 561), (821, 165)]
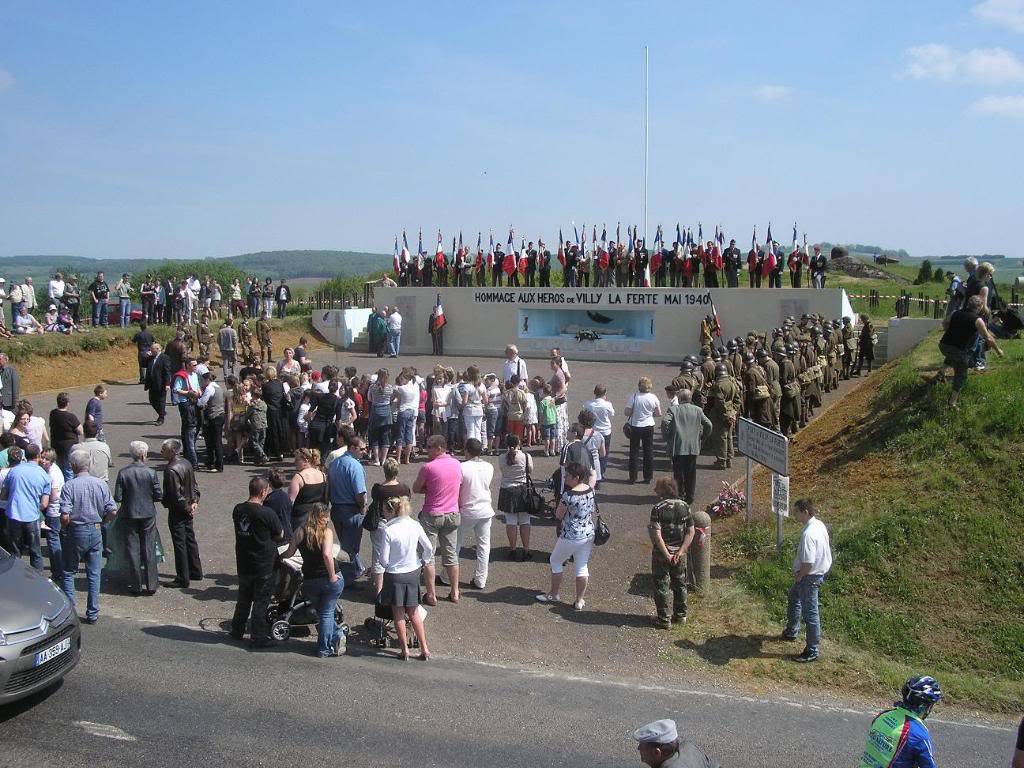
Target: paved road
[(167, 695), (158, 667)]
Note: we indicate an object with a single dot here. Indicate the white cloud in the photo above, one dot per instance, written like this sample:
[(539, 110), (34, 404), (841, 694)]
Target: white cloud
[(1004, 13), (1003, 106), (990, 66), (6, 79), (773, 92)]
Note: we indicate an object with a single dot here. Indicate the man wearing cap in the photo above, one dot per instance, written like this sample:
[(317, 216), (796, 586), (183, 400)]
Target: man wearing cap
[(659, 745)]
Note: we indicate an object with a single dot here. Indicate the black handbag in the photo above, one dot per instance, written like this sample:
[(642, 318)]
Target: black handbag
[(371, 520), (601, 532), (530, 500)]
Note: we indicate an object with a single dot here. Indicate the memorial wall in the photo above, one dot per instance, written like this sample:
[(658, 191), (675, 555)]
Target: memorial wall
[(656, 324)]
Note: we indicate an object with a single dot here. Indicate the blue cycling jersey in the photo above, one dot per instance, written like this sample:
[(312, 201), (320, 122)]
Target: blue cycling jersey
[(898, 739), (917, 750)]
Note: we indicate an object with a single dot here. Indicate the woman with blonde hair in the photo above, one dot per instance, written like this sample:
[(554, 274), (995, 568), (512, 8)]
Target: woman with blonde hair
[(642, 409), (322, 582), (403, 551), (308, 485), (473, 396)]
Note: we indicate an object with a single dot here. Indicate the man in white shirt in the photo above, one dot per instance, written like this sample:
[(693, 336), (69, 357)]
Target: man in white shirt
[(813, 560), (55, 290), (475, 508), (28, 295), (394, 332), (100, 461), (514, 365)]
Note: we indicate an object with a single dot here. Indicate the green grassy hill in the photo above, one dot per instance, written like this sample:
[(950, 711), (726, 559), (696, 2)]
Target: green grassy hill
[(266, 263), (926, 511)]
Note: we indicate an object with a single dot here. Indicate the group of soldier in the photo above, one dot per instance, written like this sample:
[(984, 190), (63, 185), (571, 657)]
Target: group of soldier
[(682, 265), (239, 341), (776, 382)]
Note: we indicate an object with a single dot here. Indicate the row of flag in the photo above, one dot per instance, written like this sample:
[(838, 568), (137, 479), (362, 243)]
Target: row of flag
[(711, 253)]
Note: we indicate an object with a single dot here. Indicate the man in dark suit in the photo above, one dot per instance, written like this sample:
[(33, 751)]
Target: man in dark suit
[(137, 490), (8, 383), (181, 497), (685, 427), (158, 381)]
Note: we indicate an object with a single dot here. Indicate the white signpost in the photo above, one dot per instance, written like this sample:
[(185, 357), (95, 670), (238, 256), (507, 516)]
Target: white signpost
[(769, 449)]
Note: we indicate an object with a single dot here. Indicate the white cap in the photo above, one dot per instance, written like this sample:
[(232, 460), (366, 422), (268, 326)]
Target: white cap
[(658, 732), (2, 280), (53, 306)]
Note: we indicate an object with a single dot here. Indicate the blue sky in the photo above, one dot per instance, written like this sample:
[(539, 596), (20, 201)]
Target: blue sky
[(194, 129)]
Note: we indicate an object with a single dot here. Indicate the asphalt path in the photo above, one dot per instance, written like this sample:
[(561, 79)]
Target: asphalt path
[(167, 695), (515, 682)]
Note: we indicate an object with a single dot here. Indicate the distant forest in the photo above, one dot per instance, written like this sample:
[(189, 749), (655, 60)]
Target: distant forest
[(274, 264)]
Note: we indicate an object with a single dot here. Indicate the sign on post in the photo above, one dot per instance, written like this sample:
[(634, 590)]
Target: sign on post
[(765, 446), (780, 495)]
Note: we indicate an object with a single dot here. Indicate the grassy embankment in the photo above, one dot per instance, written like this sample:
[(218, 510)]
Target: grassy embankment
[(926, 512), (53, 360)]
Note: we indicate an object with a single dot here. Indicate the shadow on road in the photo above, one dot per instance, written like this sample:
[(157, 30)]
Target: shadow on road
[(721, 650), (510, 595)]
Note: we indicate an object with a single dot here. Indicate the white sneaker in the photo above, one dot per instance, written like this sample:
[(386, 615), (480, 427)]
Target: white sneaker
[(546, 598), (579, 605)]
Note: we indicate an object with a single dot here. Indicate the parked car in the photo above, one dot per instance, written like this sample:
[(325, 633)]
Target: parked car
[(114, 313), (40, 638)]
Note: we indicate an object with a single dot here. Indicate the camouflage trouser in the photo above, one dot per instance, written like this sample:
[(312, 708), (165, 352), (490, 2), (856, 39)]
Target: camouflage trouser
[(722, 439), (776, 407), (266, 353), (669, 578), (246, 351), (204, 349)]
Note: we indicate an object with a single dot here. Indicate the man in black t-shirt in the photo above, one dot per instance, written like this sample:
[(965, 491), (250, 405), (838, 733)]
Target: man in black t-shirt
[(99, 291), (257, 534), (144, 343), (65, 432)]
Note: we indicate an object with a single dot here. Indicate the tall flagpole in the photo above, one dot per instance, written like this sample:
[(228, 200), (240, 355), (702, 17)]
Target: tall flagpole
[(646, 137)]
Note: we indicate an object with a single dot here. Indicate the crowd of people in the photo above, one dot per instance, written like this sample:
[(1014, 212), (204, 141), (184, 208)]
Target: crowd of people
[(687, 263), (163, 300)]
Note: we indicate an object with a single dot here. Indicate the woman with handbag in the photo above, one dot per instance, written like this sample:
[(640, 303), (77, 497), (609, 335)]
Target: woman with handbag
[(641, 411), (516, 468), (380, 398), (576, 513)]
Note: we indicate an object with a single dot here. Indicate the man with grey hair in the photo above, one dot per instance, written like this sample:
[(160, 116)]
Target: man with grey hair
[(85, 505), (514, 365), (181, 497), (685, 427), (137, 489)]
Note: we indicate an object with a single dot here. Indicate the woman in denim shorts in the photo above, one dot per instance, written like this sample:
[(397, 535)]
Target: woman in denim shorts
[(381, 396)]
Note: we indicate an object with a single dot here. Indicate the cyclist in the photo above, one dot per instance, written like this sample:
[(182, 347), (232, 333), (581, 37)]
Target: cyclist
[(898, 737)]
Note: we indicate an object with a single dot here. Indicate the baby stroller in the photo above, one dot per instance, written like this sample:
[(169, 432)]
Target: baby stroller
[(381, 626), (291, 609)]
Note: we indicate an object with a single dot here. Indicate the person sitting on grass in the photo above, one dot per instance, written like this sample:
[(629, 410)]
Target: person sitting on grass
[(24, 323)]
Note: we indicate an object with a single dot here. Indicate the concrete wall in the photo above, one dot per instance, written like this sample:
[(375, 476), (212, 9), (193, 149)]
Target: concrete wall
[(340, 326), (654, 324), (905, 333)]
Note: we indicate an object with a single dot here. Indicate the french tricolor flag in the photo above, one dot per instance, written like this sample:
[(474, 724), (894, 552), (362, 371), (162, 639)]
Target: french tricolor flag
[(438, 321)]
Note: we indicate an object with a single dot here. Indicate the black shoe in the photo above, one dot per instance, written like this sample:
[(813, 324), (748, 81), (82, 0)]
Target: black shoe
[(159, 422), (527, 554), (236, 635), (787, 637), (86, 620), (805, 657), (134, 591), (179, 583), (513, 555)]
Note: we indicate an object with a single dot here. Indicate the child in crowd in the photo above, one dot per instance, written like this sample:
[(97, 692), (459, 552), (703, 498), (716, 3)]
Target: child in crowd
[(94, 410), (301, 420), (548, 417), (670, 395), (492, 412), (529, 415), (256, 415)]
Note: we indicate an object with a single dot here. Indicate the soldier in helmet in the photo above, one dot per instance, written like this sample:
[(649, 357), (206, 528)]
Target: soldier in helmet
[(263, 335), (686, 379), (205, 336), (757, 395), (771, 375), (245, 338), (849, 347), (725, 402), (698, 374), (736, 357), (186, 338), (789, 406)]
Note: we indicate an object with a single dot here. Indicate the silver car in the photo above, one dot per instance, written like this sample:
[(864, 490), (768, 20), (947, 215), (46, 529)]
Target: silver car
[(40, 638)]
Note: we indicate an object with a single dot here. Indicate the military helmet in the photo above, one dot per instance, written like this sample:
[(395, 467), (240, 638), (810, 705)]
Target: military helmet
[(716, 354), (732, 345), (748, 359), (815, 331), (721, 371), (846, 321), (762, 353), (686, 367)]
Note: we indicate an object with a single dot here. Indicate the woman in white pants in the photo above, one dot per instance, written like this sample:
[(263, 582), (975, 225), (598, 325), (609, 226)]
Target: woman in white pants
[(474, 395), (475, 508), (576, 512)]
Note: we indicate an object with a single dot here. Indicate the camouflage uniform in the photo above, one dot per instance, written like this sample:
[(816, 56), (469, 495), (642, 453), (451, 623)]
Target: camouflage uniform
[(245, 339), (263, 335), (771, 374), (671, 517), (725, 392), (186, 338), (759, 408), (205, 336)]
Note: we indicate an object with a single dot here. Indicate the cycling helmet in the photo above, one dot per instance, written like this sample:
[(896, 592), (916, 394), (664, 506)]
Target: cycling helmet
[(920, 693)]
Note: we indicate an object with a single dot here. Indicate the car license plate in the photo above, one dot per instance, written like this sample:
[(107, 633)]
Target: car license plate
[(53, 651)]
